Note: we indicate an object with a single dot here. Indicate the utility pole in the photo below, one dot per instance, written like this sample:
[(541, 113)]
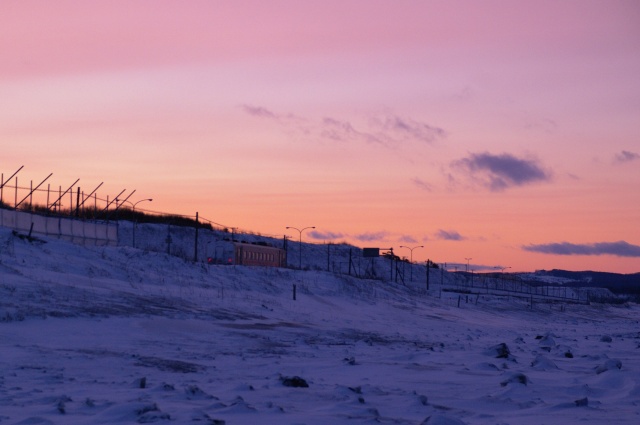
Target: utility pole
[(300, 245), (411, 257), (428, 273), (195, 252)]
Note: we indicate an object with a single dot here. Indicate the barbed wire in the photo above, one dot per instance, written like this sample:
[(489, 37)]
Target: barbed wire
[(96, 198)]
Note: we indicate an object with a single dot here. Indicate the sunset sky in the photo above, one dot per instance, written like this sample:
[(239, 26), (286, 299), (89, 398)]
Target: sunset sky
[(507, 132)]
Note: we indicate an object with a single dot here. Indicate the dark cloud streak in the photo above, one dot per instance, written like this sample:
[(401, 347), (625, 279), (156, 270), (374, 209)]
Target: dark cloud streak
[(259, 111), (422, 184), (369, 237), (407, 129), (314, 234), (387, 130), (503, 171), (407, 239), (619, 249), (344, 131), (626, 156), (449, 235)]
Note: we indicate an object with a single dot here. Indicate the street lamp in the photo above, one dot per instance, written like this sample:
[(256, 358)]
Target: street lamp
[(133, 206), (300, 231), (411, 257), (502, 274), (468, 263), (133, 210)]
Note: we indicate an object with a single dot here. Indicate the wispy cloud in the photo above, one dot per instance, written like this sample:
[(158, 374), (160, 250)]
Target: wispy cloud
[(258, 111), (388, 130), (422, 184), (619, 249), (344, 131), (449, 235), (499, 172), (407, 239), (314, 234), (371, 236), (405, 128), (626, 156)]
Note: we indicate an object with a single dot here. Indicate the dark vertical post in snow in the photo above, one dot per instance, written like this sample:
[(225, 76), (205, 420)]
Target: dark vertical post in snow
[(391, 261), (294, 291), (195, 250), (285, 246), (78, 202), (428, 273), (168, 240), (395, 266), (350, 262), (329, 256), (300, 251)]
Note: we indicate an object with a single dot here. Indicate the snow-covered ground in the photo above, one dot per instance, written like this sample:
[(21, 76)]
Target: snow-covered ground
[(121, 335)]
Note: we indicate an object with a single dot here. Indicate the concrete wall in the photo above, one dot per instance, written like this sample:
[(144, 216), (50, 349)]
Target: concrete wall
[(76, 231)]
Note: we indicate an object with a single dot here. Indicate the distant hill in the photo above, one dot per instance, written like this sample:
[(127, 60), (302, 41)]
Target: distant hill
[(615, 282)]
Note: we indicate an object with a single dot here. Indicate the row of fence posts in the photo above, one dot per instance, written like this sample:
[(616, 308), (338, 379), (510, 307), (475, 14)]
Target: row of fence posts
[(81, 200)]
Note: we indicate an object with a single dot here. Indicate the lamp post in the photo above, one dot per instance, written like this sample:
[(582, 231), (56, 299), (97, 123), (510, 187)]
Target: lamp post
[(133, 210), (300, 232), (502, 273), (411, 257), (468, 263)]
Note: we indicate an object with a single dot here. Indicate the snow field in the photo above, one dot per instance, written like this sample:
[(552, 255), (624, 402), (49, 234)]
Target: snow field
[(120, 335)]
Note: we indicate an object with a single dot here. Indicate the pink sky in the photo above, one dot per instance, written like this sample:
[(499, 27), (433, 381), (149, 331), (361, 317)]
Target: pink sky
[(502, 131)]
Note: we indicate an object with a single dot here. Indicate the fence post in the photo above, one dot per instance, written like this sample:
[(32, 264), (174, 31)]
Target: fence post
[(168, 239), (391, 261), (195, 252), (428, 273), (77, 202)]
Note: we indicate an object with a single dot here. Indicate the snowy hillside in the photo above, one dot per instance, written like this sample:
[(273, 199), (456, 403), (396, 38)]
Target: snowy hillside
[(108, 335)]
